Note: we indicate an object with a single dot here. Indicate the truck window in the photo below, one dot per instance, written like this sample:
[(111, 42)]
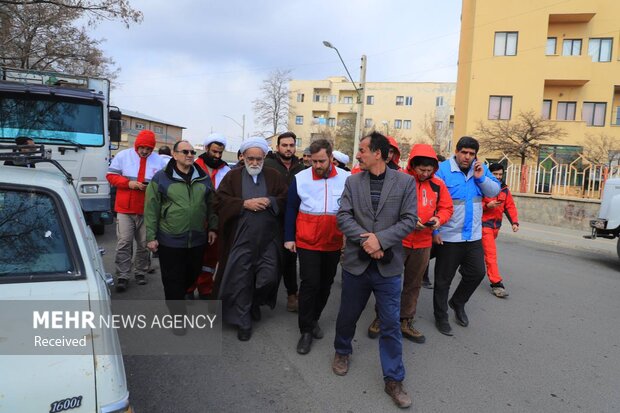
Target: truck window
[(33, 241), (51, 117)]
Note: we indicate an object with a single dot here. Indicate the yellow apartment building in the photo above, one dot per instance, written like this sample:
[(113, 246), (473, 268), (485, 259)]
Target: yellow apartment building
[(559, 59), (409, 111)]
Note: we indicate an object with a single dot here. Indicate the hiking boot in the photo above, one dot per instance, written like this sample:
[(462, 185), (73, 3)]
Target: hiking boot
[(374, 329), (141, 279), (292, 303), (410, 333), (122, 284), (395, 390), (499, 290), (340, 365)]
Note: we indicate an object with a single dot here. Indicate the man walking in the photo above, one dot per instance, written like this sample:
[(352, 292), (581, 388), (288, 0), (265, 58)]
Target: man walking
[(493, 208), (211, 162), (250, 203), (468, 180), (285, 162), (312, 232), (377, 210), (130, 172), (180, 220)]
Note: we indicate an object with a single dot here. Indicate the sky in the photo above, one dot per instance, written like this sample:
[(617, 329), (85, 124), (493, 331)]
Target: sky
[(193, 63)]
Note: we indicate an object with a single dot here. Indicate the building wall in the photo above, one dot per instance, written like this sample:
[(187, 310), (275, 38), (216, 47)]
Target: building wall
[(164, 134), (327, 103), (532, 75)]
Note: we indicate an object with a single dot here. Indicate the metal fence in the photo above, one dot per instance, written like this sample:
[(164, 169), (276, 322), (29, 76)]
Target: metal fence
[(581, 178)]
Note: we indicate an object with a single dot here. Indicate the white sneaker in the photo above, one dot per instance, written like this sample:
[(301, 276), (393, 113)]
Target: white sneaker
[(499, 292)]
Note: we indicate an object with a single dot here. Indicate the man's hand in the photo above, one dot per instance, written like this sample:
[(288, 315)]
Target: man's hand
[(515, 227), (136, 185), (211, 237), (434, 220), (290, 245), (152, 245), (256, 204), (478, 170), (494, 204), (371, 245), (437, 239), (377, 255)]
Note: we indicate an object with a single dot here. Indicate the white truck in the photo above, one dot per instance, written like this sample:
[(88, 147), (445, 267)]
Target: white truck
[(72, 116), (607, 225)]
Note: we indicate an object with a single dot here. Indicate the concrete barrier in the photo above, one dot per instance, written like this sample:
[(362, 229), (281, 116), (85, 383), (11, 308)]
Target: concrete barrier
[(573, 213)]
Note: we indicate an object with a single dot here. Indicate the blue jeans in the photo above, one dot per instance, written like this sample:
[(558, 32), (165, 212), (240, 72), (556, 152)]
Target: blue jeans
[(356, 290)]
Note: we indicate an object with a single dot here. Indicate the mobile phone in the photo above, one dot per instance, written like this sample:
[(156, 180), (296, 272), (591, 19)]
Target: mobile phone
[(145, 183), (429, 223)]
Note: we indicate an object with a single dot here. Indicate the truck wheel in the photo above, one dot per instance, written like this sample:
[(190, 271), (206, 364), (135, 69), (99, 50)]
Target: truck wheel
[(98, 229)]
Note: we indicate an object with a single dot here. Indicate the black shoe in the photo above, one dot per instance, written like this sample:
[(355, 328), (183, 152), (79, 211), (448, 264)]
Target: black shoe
[(427, 284), (444, 327), (459, 314), (304, 344), (255, 313), (244, 334), (122, 284), (317, 332), (151, 270), (141, 279)]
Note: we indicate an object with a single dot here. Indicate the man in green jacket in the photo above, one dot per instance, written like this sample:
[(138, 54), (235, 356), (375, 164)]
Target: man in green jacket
[(180, 221)]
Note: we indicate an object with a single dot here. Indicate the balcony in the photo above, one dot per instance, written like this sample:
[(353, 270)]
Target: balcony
[(567, 70)]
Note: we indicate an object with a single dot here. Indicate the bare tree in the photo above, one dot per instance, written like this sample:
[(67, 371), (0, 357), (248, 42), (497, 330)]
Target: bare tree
[(272, 107), (602, 148), (436, 133), (520, 138)]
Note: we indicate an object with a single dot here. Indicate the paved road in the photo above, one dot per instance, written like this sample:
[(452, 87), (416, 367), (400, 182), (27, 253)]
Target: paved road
[(552, 346)]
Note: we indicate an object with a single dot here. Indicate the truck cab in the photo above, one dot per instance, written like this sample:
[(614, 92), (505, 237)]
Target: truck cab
[(607, 225)]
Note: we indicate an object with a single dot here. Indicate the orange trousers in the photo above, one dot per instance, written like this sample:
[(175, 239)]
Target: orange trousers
[(490, 253), (204, 281)]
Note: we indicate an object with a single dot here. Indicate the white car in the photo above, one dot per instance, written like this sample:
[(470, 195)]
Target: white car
[(607, 225), (47, 252)]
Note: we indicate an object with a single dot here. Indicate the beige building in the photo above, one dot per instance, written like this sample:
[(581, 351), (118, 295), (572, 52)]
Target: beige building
[(132, 123), (558, 59), (409, 111)]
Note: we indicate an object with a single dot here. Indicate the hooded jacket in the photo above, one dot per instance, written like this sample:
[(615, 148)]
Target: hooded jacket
[(127, 166), (393, 164), (433, 199)]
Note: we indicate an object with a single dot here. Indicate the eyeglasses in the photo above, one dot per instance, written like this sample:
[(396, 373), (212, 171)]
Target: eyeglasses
[(187, 151), (253, 159)]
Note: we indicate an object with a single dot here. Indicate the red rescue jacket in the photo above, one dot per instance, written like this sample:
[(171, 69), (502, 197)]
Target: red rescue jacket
[(492, 217)]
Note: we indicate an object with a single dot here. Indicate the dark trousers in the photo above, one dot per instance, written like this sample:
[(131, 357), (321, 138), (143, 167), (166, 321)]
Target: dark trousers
[(448, 257), (317, 270), (179, 269), (289, 271), (356, 290)]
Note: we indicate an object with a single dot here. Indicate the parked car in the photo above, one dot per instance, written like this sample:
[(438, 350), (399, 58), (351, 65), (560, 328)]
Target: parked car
[(607, 225), (48, 252)]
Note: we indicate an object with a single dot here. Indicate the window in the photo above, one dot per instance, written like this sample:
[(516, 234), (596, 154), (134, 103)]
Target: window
[(299, 120), (398, 123), (408, 100), (317, 98), (124, 123), (347, 99), (370, 100), (552, 43), (140, 125), (505, 43), (593, 113), (617, 116), (300, 97), (158, 129), (400, 100), (500, 107), (566, 110), (571, 47), (406, 124), (600, 49), (331, 122), (439, 101), (546, 110), (332, 99), (368, 123), (438, 125), (298, 143)]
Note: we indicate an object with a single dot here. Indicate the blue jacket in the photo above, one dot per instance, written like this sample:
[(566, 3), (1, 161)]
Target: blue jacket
[(466, 192)]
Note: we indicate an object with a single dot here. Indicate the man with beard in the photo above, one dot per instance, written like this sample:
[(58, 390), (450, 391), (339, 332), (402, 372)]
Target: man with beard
[(211, 162), (306, 158), (250, 204), (311, 231), (285, 162)]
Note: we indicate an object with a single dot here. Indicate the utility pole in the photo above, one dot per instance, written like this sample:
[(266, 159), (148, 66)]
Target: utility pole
[(361, 96)]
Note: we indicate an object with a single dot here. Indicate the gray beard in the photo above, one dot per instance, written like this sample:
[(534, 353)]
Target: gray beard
[(253, 171)]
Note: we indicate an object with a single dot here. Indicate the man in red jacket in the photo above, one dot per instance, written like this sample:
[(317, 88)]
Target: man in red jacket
[(434, 209), (130, 172), (492, 210)]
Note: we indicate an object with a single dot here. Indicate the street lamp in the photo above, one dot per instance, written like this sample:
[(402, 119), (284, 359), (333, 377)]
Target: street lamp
[(241, 125), (359, 127)]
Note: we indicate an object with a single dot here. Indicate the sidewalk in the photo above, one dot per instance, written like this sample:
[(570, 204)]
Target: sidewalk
[(559, 236)]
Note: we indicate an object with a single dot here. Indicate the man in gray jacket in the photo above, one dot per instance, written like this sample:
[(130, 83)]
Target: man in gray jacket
[(377, 210)]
